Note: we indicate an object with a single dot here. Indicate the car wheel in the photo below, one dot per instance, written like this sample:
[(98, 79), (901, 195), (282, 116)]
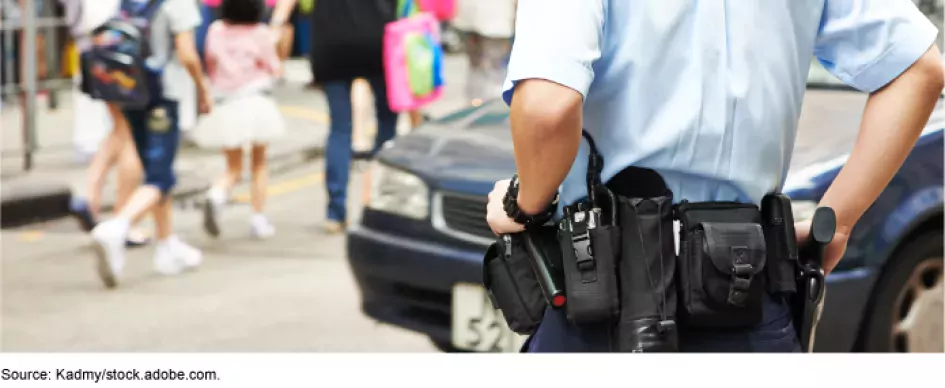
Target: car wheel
[(908, 308), (446, 346)]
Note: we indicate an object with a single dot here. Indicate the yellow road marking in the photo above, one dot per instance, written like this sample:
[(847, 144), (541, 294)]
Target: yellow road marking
[(285, 187), (31, 235), (304, 113)]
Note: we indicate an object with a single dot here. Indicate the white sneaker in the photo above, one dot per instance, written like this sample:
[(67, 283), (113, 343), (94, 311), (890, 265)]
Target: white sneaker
[(213, 205), (261, 228), (173, 256), (109, 238)]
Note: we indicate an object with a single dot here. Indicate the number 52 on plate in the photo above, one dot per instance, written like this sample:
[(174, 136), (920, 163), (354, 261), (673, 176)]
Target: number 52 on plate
[(479, 327)]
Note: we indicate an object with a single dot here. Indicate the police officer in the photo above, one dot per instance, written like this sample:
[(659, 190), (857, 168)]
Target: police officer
[(707, 94)]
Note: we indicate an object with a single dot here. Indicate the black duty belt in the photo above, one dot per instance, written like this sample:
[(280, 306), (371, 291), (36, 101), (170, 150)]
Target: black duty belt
[(612, 258)]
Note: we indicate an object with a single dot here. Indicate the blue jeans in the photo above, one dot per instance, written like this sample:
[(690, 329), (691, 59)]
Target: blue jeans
[(338, 151), (156, 134), (775, 334)]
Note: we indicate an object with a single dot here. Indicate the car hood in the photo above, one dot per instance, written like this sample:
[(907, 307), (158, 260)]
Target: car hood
[(473, 147)]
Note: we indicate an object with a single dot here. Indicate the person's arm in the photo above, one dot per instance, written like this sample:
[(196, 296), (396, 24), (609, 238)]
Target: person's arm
[(899, 65), (186, 49), (270, 57), (892, 122), (282, 12), (549, 74), (546, 131), (184, 17)]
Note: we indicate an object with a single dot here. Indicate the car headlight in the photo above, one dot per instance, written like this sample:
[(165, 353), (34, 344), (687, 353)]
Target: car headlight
[(398, 192), (803, 210)]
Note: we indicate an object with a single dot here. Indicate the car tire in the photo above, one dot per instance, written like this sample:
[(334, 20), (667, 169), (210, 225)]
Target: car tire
[(910, 287), (446, 346)]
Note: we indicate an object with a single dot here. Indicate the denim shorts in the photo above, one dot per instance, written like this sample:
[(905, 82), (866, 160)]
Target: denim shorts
[(156, 133)]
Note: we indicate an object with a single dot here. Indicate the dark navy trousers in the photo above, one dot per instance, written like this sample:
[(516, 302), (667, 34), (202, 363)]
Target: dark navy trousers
[(775, 334)]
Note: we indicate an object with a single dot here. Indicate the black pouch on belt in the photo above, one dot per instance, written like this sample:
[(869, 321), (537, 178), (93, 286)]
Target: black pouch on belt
[(721, 258), (589, 247), (512, 285), (646, 269)]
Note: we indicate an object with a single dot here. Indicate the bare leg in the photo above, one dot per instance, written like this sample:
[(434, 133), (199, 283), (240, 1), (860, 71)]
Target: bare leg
[(105, 158), (416, 118), (260, 224), (162, 219), (128, 166), (144, 199), (260, 178), (234, 169), (219, 193)]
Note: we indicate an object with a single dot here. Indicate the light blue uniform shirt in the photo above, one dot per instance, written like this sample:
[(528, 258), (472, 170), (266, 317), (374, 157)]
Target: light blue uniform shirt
[(708, 93)]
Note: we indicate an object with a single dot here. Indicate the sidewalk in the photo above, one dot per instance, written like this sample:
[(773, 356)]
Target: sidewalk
[(57, 174)]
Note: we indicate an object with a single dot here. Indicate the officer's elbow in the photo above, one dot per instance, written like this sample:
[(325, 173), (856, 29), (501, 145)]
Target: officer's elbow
[(930, 72), (546, 109)]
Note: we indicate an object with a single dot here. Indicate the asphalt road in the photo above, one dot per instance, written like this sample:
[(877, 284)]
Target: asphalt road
[(293, 292)]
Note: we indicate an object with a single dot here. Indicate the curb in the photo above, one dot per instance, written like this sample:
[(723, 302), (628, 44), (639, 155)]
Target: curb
[(26, 204), (30, 203)]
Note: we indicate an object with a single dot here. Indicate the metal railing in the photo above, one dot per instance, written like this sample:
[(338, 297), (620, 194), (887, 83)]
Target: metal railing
[(25, 26)]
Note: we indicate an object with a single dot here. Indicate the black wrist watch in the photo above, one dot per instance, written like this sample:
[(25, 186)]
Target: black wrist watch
[(510, 204)]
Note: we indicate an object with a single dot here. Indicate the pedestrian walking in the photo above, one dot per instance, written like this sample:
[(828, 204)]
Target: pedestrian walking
[(347, 44), (487, 27), (690, 111), (243, 65), (117, 150), (155, 128)]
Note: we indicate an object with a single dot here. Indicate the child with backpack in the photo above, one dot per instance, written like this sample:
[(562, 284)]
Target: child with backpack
[(128, 65), (243, 65), (117, 148)]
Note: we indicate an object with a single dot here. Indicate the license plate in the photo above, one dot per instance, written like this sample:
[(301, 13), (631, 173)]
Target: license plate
[(477, 326)]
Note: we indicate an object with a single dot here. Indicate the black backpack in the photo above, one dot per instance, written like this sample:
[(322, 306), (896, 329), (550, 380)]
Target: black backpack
[(116, 62)]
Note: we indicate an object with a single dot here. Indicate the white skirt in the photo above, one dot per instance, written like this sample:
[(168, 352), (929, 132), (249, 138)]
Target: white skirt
[(250, 119)]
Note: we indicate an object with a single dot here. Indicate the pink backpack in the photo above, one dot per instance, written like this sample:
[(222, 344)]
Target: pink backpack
[(442, 9), (400, 95)]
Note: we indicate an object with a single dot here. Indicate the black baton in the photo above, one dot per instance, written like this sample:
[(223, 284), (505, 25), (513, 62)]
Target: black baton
[(553, 292), (811, 284)]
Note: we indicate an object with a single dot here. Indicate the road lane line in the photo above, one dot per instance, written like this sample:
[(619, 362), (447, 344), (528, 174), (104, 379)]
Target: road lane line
[(284, 187), (31, 235), (304, 113)]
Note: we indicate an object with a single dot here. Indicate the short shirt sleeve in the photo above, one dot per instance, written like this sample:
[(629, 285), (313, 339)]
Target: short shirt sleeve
[(556, 40), (184, 15), (868, 43)]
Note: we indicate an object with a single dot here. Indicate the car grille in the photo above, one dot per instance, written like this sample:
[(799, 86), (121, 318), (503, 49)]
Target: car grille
[(466, 215)]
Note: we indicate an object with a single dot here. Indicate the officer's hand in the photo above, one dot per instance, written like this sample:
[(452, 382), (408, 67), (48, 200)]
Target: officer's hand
[(495, 213), (835, 249)]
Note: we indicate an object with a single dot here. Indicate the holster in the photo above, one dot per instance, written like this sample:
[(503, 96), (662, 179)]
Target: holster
[(646, 272)]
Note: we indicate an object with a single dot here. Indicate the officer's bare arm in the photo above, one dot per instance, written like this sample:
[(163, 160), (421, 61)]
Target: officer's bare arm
[(546, 131), (892, 122), (187, 55)]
